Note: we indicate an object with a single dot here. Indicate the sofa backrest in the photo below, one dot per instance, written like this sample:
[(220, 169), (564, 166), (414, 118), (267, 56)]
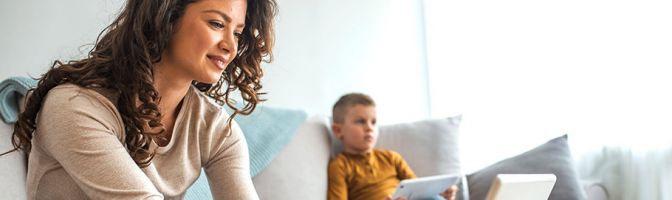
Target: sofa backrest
[(300, 170), (12, 167)]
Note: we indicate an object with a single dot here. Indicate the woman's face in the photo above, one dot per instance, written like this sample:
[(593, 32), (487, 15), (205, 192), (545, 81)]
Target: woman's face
[(205, 40)]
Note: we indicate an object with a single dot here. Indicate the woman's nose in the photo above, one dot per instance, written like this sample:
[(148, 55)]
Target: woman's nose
[(228, 43)]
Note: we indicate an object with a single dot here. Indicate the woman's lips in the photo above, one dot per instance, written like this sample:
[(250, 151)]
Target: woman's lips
[(219, 61)]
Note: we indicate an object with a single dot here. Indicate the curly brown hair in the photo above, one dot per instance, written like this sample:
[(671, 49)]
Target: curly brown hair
[(122, 61)]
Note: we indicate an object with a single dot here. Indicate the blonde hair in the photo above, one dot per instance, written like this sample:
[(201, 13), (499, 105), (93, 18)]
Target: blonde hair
[(348, 100)]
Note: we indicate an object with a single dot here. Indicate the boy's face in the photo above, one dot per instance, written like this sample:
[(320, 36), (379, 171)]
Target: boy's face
[(358, 132)]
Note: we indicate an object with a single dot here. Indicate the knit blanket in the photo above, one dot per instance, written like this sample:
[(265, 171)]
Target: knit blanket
[(267, 130), (11, 89)]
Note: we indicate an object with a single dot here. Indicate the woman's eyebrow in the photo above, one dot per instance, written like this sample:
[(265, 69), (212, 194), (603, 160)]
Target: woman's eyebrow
[(226, 17)]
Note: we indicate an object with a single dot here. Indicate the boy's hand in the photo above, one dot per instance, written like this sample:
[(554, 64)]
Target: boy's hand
[(450, 193)]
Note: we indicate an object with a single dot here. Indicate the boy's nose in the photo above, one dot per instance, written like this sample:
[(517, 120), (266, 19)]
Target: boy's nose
[(369, 127)]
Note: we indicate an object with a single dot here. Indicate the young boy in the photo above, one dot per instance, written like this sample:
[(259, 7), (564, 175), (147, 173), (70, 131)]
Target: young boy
[(360, 171)]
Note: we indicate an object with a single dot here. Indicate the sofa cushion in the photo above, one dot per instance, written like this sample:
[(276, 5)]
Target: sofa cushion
[(430, 146), (553, 157), (12, 166), (267, 131), (300, 169)]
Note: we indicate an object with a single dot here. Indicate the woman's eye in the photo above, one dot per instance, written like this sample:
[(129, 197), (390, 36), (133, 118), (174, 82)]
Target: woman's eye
[(216, 24), (238, 35)]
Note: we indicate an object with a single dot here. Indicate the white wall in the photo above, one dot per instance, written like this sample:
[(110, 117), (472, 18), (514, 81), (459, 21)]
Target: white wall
[(34, 33), (330, 47), (324, 49)]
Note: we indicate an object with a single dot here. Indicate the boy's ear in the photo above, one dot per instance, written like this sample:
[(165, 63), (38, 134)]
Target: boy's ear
[(336, 129)]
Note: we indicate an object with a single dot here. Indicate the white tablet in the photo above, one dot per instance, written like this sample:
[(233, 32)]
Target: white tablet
[(425, 187), (521, 187)]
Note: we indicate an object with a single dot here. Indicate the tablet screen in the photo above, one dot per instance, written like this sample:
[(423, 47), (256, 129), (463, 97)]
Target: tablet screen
[(425, 187)]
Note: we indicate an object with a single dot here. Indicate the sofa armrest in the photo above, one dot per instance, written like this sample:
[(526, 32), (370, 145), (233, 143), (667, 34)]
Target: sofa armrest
[(595, 190)]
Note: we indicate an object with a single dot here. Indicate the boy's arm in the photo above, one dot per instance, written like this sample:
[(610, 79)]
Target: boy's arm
[(403, 170), (338, 188)]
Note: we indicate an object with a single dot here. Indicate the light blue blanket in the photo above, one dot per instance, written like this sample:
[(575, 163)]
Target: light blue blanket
[(267, 130), (11, 90)]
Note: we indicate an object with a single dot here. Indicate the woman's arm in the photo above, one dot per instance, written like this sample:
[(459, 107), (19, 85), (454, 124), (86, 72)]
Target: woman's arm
[(81, 131), (228, 169)]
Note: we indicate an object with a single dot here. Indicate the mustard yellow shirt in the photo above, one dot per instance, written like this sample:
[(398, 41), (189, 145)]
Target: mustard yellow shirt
[(372, 176)]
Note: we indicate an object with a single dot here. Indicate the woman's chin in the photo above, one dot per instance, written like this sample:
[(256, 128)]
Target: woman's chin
[(210, 80)]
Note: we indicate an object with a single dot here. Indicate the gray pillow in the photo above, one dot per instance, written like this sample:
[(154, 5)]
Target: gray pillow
[(553, 157)]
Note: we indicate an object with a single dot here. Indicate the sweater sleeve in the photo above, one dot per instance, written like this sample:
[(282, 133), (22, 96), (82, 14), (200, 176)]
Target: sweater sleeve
[(337, 184), (228, 170), (81, 130)]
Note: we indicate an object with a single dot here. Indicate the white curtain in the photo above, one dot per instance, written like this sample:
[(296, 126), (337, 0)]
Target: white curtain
[(524, 71), (630, 173)]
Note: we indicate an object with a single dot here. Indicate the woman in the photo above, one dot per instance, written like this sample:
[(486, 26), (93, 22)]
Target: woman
[(142, 114)]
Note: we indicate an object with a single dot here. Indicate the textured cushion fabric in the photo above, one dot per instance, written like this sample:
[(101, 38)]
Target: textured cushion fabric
[(12, 167), (300, 170), (12, 89), (554, 157), (430, 146), (267, 131)]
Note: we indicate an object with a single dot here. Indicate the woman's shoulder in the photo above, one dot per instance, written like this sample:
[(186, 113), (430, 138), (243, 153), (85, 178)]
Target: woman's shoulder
[(204, 109), (199, 100), (68, 93), (72, 104)]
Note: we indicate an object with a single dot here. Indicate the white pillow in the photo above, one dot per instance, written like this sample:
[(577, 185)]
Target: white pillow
[(430, 147)]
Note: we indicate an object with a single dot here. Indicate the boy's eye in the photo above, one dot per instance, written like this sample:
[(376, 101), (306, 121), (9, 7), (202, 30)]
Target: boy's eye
[(216, 24)]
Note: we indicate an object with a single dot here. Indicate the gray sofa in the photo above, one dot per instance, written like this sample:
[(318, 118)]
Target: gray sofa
[(299, 169)]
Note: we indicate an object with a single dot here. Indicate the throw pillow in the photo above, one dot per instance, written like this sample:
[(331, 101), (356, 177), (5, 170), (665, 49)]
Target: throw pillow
[(430, 146), (554, 157)]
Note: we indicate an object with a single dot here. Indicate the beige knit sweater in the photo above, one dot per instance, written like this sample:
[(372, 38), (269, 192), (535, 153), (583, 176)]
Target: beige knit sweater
[(78, 151)]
